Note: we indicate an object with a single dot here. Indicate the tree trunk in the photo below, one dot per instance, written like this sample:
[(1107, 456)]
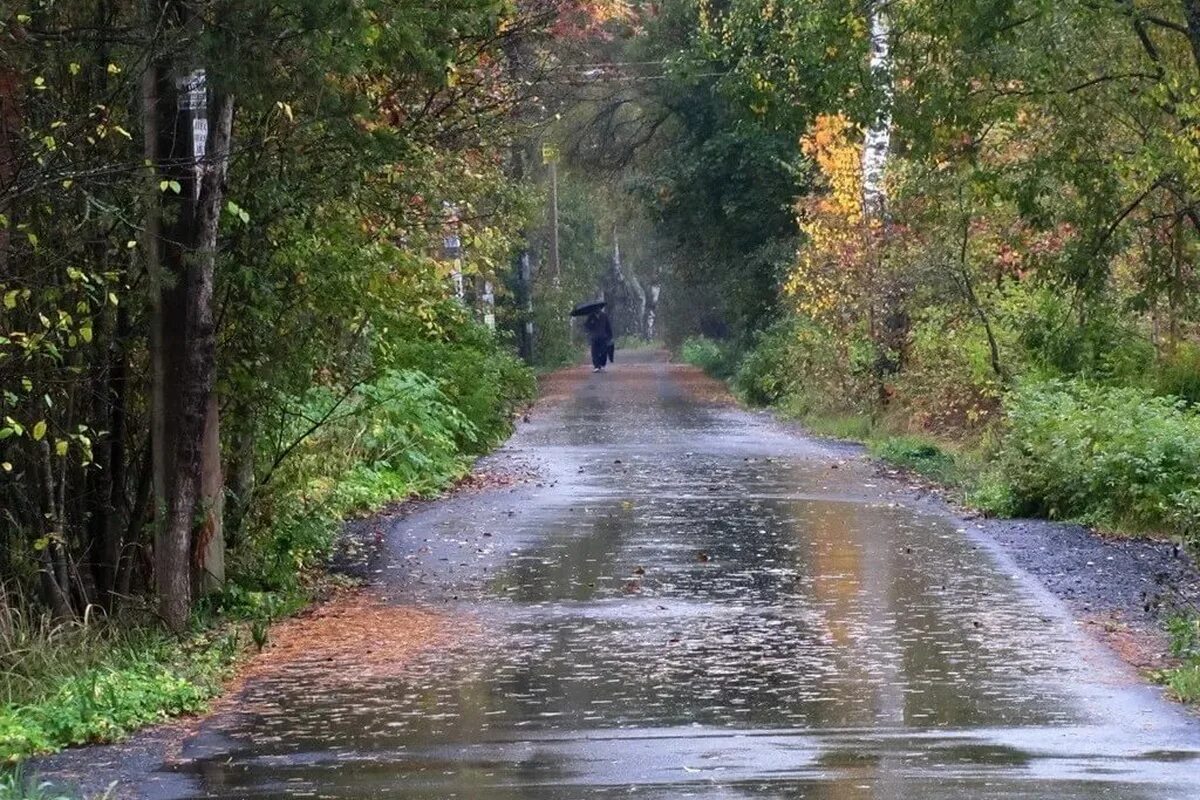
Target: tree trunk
[(114, 543), (132, 552), (973, 300), (878, 142), (189, 149), (639, 299), (152, 249), (240, 475), (652, 310), (56, 585), (209, 547), (191, 537), (616, 294)]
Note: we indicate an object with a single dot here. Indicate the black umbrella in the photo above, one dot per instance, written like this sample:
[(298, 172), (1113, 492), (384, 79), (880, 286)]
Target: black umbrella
[(583, 309)]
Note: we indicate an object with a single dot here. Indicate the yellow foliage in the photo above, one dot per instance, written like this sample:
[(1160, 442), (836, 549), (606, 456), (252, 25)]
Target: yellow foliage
[(828, 278)]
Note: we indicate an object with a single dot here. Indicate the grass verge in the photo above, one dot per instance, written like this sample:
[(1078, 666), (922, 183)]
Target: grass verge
[(1183, 681), (97, 681)]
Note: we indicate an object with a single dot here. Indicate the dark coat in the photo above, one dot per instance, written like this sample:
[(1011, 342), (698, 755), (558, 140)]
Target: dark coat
[(598, 327)]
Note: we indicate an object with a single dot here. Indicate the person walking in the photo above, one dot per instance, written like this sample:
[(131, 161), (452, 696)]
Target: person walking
[(600, 334)]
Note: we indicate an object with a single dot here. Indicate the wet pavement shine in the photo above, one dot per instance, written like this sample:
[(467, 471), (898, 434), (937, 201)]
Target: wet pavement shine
[(693, 600)]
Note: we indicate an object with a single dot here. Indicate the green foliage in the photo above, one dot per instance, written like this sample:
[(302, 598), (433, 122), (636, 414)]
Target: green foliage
[(948, 384), (99, 706), (771, 370), (1113, 455), (408, 432), (1184, 630), (73, 684), (1179, 374), (849, 427), (366, 135), (715, 358), (803, 368), (1183, 681), (480, 377), (1104, 346), (992, 494), (920, 455)]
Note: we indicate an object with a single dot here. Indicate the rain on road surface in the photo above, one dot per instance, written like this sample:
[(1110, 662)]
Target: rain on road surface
[(692, 602)]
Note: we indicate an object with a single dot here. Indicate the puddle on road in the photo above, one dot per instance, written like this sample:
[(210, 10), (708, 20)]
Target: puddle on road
[(717, 615)]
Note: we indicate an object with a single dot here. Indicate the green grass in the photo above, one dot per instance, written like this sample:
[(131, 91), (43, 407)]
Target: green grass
[(1183, 681), (636, 343), (1117, 457), (717, 359), (77, 683), (964, 470), (852, 427), (920, 455), (98, 680)]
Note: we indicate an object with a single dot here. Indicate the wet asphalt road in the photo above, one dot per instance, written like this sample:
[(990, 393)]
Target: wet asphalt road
[(691, 601)]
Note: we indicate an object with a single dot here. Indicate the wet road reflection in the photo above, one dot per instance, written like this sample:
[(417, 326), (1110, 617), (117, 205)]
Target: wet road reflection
[(695, 604)]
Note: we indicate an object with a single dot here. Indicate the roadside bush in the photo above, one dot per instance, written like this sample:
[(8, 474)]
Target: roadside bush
[(1183, 681), (1113, 455), (15, 785), (949, 384), (805, 369), (383, 441), (479, 376), (992, 494), (1105, 347), (715, 358), (331, 452), (1179, 374), (411, 431), (771, 370)]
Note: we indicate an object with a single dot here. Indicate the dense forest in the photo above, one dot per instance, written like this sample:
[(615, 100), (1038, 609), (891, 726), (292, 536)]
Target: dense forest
[(265, 265)]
